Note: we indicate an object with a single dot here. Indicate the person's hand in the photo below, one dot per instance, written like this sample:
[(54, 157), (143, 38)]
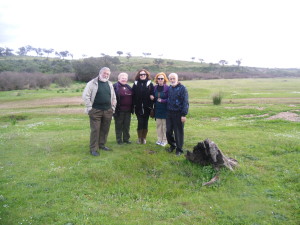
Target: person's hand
[(183, 119), (151, 97), (159, 99)]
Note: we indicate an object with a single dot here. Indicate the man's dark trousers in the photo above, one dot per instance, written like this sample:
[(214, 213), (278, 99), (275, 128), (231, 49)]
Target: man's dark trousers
[(175, 127)]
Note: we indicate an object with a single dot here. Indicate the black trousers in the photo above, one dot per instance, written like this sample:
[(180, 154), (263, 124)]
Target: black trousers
[(175, 130), (142, 121), (122, 125)]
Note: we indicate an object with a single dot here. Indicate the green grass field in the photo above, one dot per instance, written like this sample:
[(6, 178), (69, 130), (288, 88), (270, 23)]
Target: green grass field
[(49, 177)]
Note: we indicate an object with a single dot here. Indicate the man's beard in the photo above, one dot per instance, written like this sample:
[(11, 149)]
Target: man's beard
[(103, 79)]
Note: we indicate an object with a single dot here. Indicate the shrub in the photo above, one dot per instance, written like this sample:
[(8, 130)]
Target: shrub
[(63, 79), (18, 81), (217, 98), (88, 68)]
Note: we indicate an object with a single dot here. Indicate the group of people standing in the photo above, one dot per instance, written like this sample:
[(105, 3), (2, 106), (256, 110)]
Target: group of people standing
[(104, 101)]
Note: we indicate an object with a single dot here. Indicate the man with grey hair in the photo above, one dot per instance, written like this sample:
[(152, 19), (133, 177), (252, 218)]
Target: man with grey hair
[(100, 101), (178, 106)]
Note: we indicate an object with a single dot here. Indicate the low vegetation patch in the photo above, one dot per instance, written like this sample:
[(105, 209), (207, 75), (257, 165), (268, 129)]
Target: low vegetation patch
[(13, 118)]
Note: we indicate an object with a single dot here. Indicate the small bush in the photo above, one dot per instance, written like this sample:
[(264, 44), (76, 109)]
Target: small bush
[(217, 98)]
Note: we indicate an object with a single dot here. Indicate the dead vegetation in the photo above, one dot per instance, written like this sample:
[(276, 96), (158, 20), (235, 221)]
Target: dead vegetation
[(207, 153)]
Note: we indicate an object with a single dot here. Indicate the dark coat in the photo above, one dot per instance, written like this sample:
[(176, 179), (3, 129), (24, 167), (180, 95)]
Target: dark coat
[(116, 88), (161, 107), (142, 89), (178, 100)]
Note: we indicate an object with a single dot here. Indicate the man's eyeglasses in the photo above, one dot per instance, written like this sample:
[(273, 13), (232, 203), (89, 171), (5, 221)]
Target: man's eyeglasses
[(143, 74), (160, 78)]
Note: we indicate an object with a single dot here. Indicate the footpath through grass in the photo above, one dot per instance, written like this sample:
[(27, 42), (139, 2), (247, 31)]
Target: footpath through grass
[(49, 177)]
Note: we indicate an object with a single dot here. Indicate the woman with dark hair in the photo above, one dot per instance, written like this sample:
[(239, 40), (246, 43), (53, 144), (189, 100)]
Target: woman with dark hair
[(143, 102)]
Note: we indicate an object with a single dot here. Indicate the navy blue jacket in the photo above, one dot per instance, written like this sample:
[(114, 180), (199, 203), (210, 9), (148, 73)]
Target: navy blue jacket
[(178, 99), (161, 107)]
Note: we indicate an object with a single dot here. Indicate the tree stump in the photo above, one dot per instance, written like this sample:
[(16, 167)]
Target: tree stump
[(207, 153)]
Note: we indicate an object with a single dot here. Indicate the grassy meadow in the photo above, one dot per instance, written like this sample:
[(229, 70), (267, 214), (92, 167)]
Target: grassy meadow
[(49, 177)]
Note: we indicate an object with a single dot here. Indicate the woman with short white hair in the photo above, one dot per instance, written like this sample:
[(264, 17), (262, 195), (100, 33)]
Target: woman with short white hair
[(123, 110)]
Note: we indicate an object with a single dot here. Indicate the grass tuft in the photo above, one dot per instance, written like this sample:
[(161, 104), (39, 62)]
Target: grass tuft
[(217, 98)]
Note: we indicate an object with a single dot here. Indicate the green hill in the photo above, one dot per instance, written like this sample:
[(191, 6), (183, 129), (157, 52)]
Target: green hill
[(187, 69)]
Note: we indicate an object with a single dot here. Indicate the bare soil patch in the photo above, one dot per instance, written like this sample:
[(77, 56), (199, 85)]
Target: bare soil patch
[(252, 115), (290, 100), (286, 116), (245, 107), (42, 102)]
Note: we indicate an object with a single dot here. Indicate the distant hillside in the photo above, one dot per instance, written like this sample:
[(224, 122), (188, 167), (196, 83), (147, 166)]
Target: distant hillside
[(186, 69), (196, 70)]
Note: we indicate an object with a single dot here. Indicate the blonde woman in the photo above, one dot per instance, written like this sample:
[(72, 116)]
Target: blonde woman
[(160, 104)]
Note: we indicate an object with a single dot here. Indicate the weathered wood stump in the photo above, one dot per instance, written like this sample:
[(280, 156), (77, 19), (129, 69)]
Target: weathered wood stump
[(207, 153)]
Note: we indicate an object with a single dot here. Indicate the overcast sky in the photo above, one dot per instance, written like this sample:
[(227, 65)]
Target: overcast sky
[(262, 33)]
